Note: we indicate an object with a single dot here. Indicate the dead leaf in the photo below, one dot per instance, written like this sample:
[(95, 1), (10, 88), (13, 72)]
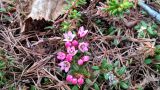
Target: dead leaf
[(47, 9), (130, 24), (41, 12), (147, 48), (7, 1)]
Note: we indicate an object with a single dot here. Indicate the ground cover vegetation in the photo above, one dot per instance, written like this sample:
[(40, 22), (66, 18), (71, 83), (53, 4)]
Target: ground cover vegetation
[(93, 45)]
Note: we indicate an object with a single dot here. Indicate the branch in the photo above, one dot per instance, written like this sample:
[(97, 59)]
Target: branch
[(149, 10)]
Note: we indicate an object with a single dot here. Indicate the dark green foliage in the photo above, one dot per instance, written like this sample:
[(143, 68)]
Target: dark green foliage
[(124, 85), (88, 81), (145, 29), (75, 15), (75, 88), (147, 61), (121, 71), (157, 57), (5, 62), (96, 86), (95, 67), (78, 3), (65, 26), (157, 50)]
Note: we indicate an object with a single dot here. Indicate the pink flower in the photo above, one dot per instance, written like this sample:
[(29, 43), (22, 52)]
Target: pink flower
[(67, 44), (61, 55), (65, 65), (72, 50), (75, 43), (83, 47), (69, 78), (74, 81), (80, 81), (80, 62), (69, 57), (85, 58), (82, 32), (69, 36)]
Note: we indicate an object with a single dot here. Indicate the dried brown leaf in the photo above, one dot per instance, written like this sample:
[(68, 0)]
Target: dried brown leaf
[(47, 9)]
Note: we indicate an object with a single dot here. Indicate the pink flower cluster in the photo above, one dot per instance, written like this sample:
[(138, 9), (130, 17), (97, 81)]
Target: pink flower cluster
[(72, 47), (83, 59), (74, 80)]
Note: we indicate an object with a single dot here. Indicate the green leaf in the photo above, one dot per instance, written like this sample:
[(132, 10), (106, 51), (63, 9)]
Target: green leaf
[(12, 87), (106, 76), (116, 42), (96, 87), (143, 12), (104, 63), (116, 64), (157, 46), (124, 85), (95, 67), (85, 87), (1, 74), (46, 80), (150, 31), (75, 88), (137, 27), (75, 67), (115, 12), (157, 57), (112, 3), (118, 8), (141, 34), (49, 27), (84, 71), (88, 81), (2, 65), (96, 73), (65, 26), (109, 67), (33, 87), (122, 70), (75, 14), (87, 53), (2, 52), (3, 10), (144, 24), (140, 88), (80, 2), (147, 61), (155, 26), (157, 50)]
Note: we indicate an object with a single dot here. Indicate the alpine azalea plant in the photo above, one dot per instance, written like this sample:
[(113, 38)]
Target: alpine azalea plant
[(74, 55)]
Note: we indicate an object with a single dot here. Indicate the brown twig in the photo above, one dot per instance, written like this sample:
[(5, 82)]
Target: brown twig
[(139, 40)]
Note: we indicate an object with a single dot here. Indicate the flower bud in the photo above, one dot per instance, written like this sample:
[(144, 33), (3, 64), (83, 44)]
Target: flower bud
[(80, 81), (74, 81), (61, 55), (69, 57), (85, 58), (69, 78), (80, 62), (75, 43), (67, 44)]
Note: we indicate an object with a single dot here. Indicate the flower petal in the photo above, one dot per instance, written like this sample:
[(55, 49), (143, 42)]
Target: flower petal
[(66, 69)]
